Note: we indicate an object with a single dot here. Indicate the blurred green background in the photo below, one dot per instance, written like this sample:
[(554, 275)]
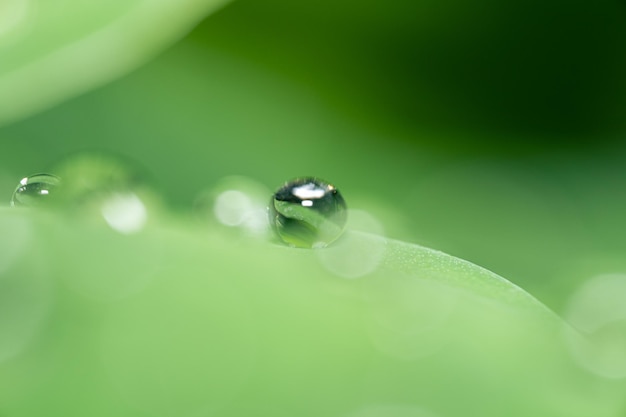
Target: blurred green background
[(493, 131), (490, 130)]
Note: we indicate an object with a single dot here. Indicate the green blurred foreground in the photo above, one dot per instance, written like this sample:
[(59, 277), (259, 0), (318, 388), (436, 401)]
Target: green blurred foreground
[(180, 321)]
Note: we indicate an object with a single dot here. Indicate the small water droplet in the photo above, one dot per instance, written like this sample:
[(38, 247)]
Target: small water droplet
[(308, 213), (36, 190)]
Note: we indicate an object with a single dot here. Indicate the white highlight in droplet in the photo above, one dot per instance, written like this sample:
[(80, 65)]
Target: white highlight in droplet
[(125, 213), (307, 203), (308, 191), (353, 255), (598, 311)]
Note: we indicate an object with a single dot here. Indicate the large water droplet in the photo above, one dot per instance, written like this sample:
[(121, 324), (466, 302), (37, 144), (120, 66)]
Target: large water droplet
[(36, 190), (308, 212)]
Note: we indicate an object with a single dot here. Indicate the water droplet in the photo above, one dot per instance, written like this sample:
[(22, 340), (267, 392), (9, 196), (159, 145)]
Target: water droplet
[(36, 190), (308, 213)]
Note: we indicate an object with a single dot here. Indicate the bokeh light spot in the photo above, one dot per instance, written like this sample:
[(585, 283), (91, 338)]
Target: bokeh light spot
[(125, 213), (598, 311), (354, 256), (13, 14)]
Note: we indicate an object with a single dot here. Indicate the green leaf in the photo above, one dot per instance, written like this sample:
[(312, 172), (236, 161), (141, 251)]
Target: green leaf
[(426, 263), (186, 318), (54, 50)]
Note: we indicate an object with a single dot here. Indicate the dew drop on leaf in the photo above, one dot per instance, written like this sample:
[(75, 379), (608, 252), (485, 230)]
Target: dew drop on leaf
[(307, 212), (35, 190)]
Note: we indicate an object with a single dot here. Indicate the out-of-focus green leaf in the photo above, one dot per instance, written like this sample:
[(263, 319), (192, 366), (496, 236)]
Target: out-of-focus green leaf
[(425, 263), (185, 320), (51, 50)]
